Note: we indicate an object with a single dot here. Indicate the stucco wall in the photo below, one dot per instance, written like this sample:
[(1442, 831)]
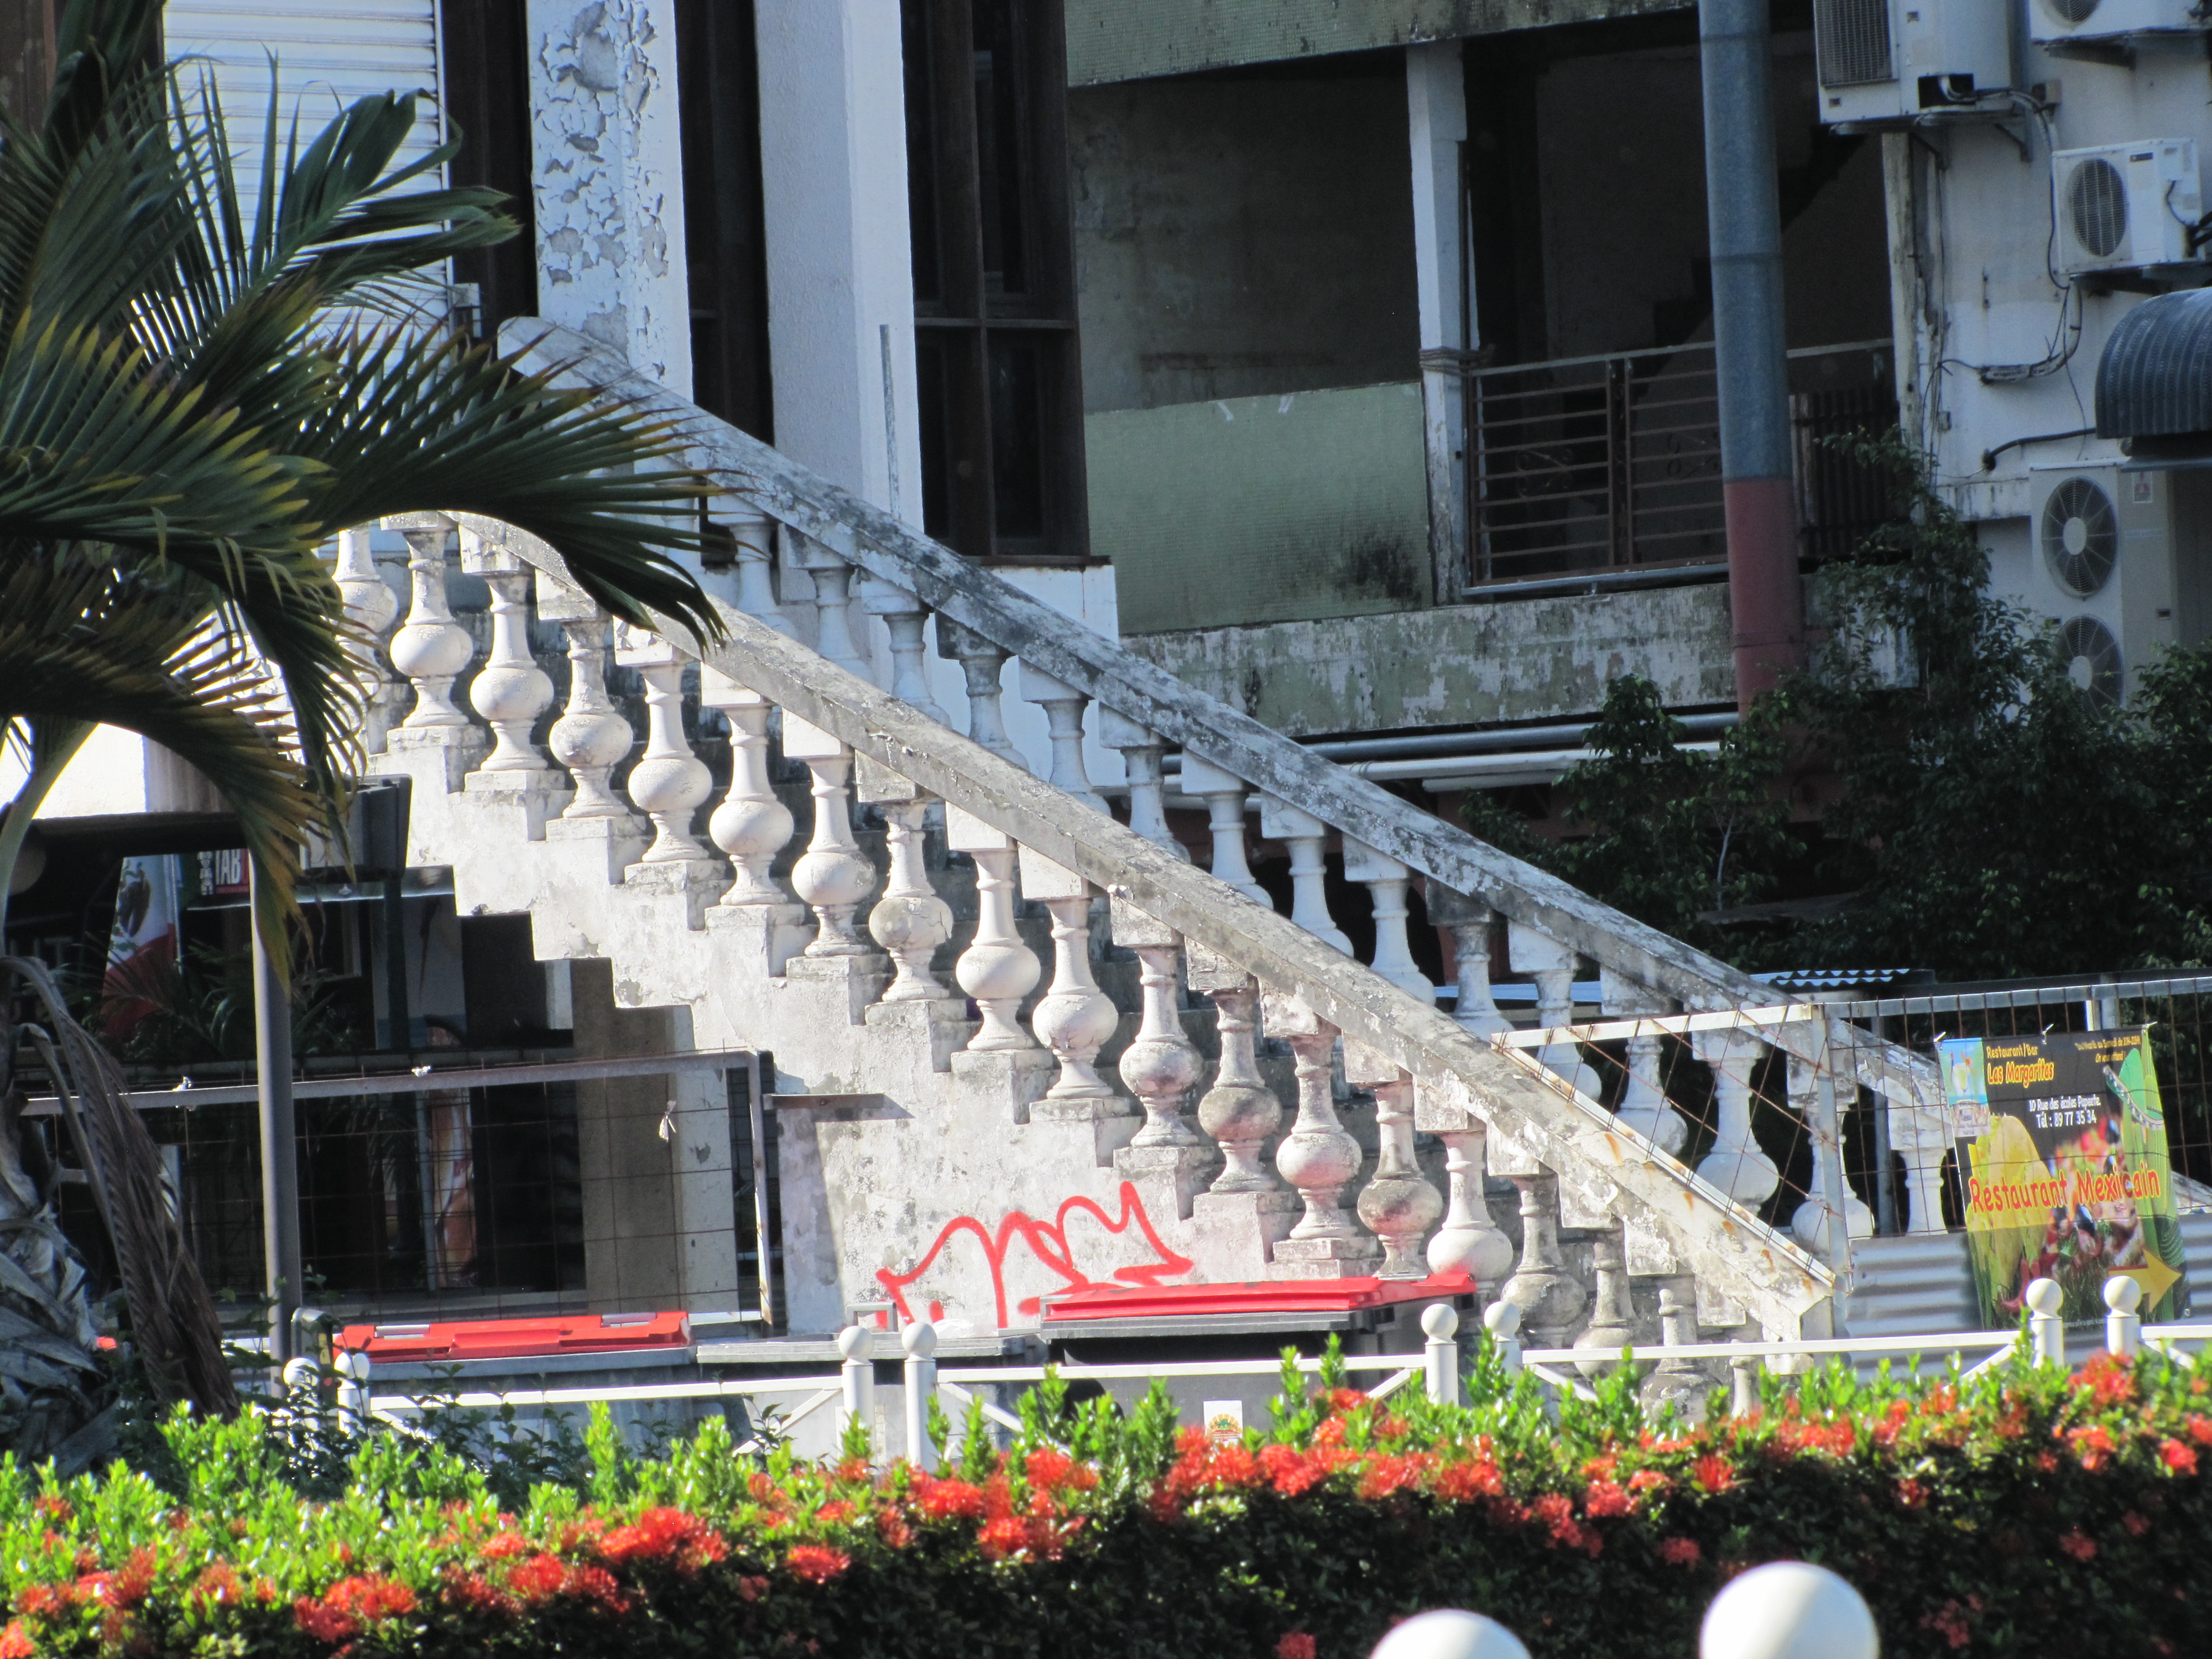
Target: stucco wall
[(1526, 660)]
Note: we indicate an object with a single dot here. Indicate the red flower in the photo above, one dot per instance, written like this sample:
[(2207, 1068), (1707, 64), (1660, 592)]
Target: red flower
[(815, 1563), (1650, 1480), (540, 1577), (1295, 1644), (1048, 1466), (1885, 1432), (1911, 1493), (1388, 1474), (1461, 1481), (349, 1604), (1601, 1468), (16, 1641), (891, 1528), (1713, 1473), (1681, 1551), (1606, 1498), (1949, 1622), (2109, 1378), (2077, 1544), (1290, 1471), (501, 1545), (2046, 1461), (942, 1500), (2135, 1525), (833, 1513), (1008, 1535), (764, 1491), (2200, 1428), (2178, 1457), (2093, 1445), (41, 1600), (1346, 1400), (752, 1586), (665, 1534), (470, 1591)]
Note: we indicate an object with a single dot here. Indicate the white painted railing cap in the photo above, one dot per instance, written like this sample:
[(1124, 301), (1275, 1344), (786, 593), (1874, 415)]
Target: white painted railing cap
[(1789, 1610), (854, 1342), (2044, 1296), (1448, 1633), (919, 1339), (1440, 1320), (1502, 1319), (2123, 1293)]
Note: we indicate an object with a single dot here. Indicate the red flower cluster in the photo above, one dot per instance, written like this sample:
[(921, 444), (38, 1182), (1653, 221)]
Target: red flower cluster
[(680, 1540), (815, 1563), (339, 1612)]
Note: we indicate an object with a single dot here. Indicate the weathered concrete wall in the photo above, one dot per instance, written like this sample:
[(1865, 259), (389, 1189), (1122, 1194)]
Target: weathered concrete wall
[(1525, 660), (1128, 40), (1262, 509), (1237, 237)]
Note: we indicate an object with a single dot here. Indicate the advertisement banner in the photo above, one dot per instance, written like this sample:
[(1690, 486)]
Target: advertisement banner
[(2063, 1154)]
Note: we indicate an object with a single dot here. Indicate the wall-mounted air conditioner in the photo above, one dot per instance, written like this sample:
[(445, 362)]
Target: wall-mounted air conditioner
[(2055, 22), (2102, 568), (1885, 63), (2127, 206)]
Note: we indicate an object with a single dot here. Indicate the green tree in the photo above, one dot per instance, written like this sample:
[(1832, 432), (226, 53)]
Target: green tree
[(199, 385)]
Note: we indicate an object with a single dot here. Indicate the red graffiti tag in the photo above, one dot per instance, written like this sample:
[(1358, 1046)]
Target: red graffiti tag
[(1048, 1241)]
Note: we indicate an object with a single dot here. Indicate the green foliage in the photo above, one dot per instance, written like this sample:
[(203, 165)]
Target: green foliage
[(2019, 1511)]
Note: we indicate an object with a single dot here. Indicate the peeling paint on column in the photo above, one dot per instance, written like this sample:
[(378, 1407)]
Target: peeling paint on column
[(608, 177)]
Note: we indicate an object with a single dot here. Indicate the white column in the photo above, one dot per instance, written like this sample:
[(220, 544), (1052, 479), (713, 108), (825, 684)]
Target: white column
[(370, 606), (1468, 1242), (1141, 751), (1305, 836), (590, 739), (983, 665), (608, 165), (1224, 795), (907, 621), (1160, 1064), (1811, 1220), (839, 258), (1735, 1165), (997, 969), (430, 648), (1398, 1205), (750, 824), (1386, 880), (1240, 1111), (1074, 1018), (510, 691), (1435, 121), (909, 921), (832, 876), (1063, 708), (669, 782), (1643, 1105), (1551, 964)]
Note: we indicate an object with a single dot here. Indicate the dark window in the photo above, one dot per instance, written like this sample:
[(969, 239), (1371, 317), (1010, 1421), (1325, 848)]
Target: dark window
[(718, 81), (997, 372), (485, 44)]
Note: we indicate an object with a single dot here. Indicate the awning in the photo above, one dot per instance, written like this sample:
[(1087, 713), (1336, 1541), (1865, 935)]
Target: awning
[(2154, 381)]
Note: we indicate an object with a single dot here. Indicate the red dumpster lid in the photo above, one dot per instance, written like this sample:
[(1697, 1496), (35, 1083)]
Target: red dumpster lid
[(448, 1341), (1250, 1296)]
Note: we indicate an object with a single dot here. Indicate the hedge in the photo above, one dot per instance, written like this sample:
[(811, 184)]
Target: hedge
[(2021, 1512)]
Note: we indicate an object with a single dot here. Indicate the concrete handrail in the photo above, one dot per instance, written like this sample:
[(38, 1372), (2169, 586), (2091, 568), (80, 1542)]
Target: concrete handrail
[(1104, 669)]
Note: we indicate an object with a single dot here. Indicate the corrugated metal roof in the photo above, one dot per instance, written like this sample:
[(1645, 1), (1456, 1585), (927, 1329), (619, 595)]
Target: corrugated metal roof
[(2154, 379)]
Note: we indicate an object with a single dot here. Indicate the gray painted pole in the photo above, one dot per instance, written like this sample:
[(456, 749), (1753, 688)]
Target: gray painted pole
[(280, 1162), (1744, 221)]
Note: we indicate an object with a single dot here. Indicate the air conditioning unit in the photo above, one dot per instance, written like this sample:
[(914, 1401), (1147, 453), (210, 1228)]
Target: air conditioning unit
[(1890, 63), (2055, 22), (2125, 207), (2102, 568)]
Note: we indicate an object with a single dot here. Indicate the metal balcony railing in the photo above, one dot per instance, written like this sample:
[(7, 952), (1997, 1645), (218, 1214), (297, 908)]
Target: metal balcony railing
[(1612, 463)]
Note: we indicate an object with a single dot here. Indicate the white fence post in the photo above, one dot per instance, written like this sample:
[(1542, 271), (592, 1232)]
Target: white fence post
[(353, 1369), (1743, 1392), (2046, 1325), (2122, 1324), (1440, 1324), (920, 1341), (1503, 1320), (858, 1378), (1788, 1610), (1448, 1633)]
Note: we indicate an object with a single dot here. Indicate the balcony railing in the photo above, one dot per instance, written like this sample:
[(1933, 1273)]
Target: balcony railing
[(1608, 464)]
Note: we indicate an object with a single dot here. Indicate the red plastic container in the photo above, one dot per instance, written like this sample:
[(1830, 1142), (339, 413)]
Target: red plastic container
[(1257, 1296), (448, 1342)]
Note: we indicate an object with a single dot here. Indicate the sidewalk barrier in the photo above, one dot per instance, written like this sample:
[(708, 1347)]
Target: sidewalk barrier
[(1789, 1610)]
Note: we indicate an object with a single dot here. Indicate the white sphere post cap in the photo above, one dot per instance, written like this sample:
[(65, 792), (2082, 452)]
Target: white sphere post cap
[(1439, 1320), (2044, 1296), (853, 1342), (1503, 1319), (2123, 1293), (1447, 1633), (919, 1339), (1789, 1610)]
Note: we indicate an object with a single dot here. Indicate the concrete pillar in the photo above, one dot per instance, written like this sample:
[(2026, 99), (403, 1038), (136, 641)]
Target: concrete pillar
[(839, 260), (607, 161), (1436, 119)]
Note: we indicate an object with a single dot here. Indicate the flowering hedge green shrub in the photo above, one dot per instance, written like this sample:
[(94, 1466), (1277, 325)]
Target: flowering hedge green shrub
[(2019, 1513)]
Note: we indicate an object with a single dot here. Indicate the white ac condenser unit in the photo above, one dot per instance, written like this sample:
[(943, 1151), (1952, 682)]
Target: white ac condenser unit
[(2102, 568), (2054, 22), (1888, 62), (2127, 207)]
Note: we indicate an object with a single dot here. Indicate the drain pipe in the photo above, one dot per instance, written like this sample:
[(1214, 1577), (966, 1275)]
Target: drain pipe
[(1744, 217)]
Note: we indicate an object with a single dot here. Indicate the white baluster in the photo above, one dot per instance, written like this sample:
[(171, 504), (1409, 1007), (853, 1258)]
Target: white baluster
[(510, 691), (1074, 1018), (1398, 1205), (750, 824), (1735, 1165), (431, 648), (370, 608), (756, 558), (1063, 711), (909, 921), (983, 663), (590, 739), (1160, 1064), (832, 876), (1304, 835), (1223, 796), (1140, 752), (1552, 965), (1643, 1105), (1240, 1111), (1386, 878), (906, 618), (833, 595), (1469, 920), (996, 969), (1612, 1315), (1317, 1157), (1468, 1242), (1551, 1298), (1679, 1383), (669, 781), (1811, 1219)]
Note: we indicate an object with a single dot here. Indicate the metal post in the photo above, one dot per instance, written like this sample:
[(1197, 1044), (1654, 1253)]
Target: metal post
[(2123, 1323), (280, 1161), (859, 1377), (2046, 1325), (920, 1341), (1750, 360), (1440, 1324)]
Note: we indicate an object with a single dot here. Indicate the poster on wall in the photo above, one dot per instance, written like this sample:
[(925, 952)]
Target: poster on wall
[(2063, 1153)]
